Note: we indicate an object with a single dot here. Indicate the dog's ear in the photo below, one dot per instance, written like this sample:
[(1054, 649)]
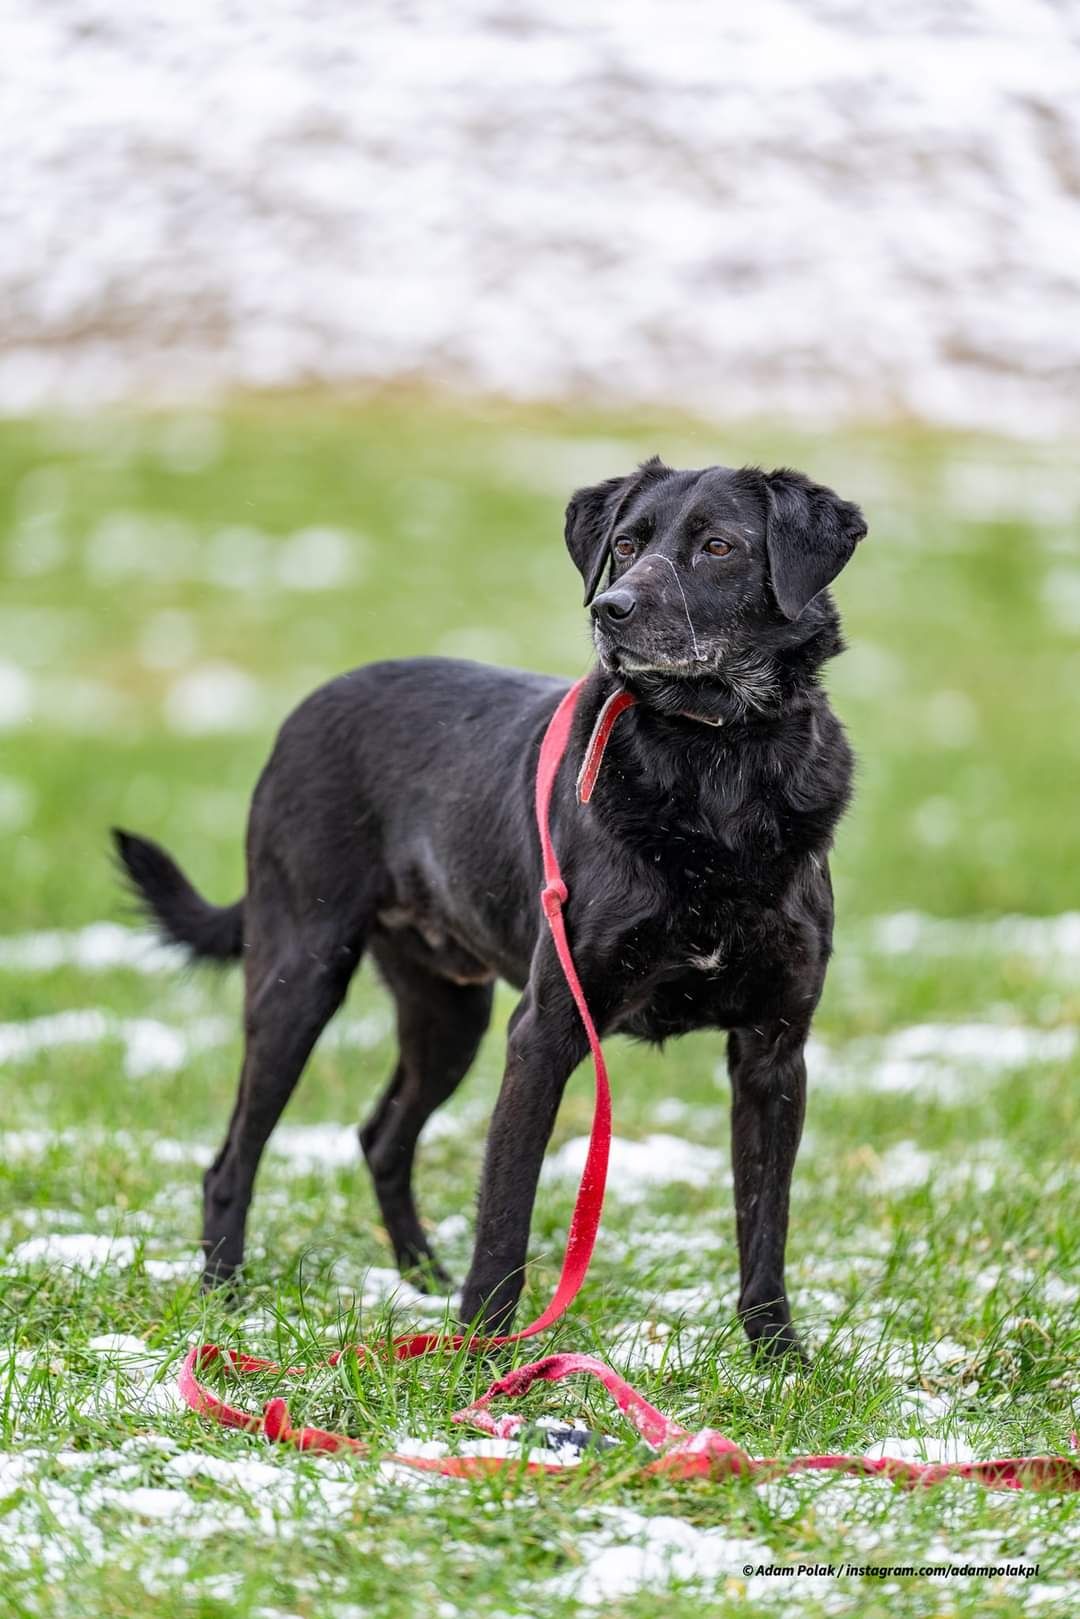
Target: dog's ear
[(591, 516), (810, 535), (588, 524)]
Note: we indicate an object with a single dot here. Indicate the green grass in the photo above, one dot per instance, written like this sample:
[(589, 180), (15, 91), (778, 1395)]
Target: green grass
[(934, 1251)]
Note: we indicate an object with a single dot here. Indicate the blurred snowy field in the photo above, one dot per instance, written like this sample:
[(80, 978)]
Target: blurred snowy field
[(813, 210)]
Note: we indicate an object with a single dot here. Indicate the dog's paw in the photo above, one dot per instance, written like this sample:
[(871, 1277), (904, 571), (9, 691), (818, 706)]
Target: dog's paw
[(223, 1281), (489, 1313), (779, 1347)]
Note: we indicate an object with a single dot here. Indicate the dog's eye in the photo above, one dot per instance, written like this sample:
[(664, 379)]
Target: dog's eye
[(719, 548), (624, 548)]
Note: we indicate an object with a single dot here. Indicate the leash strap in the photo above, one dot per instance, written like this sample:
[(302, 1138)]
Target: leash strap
[(594, 753), (682, 1454)]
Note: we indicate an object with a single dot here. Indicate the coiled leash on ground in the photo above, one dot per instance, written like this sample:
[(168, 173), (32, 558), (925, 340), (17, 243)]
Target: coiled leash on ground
[(682, 1454)]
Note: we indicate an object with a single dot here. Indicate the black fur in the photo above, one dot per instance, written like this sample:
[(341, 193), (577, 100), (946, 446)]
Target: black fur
[(395, 816), (180, 914)]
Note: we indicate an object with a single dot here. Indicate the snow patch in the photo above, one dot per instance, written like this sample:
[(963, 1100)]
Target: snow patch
[(943, 1061), (560, 206), (633, 1552), (99, 947), (214, 697), (16, 697), (637, 1166), (1050, 940), (93, 1252), (150, 1047)]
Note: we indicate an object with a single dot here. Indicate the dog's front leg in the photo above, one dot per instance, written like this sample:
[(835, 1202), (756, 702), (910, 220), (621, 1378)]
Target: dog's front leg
[(768, 1101), (545, 1043)]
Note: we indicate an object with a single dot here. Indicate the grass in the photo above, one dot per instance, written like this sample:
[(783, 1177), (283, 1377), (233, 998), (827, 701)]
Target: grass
[(934, 1250)]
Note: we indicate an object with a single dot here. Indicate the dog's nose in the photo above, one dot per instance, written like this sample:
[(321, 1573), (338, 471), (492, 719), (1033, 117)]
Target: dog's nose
[(614, 606)]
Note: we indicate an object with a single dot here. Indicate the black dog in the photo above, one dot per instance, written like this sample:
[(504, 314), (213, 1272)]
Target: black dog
[(395, 815)]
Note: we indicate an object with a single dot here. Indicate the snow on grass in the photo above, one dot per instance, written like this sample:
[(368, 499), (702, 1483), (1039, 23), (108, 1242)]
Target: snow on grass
[(945, 1061), (637, 1166), (99, 1506), (154, 1508), (548, 214), (101, 946), (149, 1046), (308, 1148), (903, 1166), (37, 1143), (98, 947), (16, 697), (213, 697), (633, 1552), (95, 1251), (1049, 940), (298, 1149)]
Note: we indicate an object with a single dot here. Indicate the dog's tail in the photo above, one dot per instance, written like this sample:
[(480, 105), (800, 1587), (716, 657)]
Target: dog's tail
[(180, 914)]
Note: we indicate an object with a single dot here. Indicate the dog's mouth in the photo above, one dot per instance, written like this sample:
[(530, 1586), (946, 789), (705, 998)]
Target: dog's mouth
[(729, 683), (633, 665), (623, 660)]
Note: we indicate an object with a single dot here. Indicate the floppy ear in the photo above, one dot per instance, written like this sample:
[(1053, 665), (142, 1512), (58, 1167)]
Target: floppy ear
[(589, 517), (592, 514), (811, 534)]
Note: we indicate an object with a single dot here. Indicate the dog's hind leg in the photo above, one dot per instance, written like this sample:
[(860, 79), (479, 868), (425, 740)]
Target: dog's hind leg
[(768, 1101), (440, 1025), (295, 980)]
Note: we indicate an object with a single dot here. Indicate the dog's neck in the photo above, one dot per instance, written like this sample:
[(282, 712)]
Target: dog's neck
[(761, 699), (724, 785), (755, 681)]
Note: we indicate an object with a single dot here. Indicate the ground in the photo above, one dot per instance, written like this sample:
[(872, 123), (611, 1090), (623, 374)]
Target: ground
[(172, 585)]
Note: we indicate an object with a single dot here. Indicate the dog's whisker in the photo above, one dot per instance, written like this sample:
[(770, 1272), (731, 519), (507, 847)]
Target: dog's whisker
[(698, 655)]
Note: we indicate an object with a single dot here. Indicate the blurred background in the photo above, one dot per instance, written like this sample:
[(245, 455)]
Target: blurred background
[(310, 323), (805, 207)]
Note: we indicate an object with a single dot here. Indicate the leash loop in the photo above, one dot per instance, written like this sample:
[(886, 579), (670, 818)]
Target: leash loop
[(553, 896)]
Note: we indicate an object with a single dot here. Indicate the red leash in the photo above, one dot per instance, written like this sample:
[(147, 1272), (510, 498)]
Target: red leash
[(683, 1454)]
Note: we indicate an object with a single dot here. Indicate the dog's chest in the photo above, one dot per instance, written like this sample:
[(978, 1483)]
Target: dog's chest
[(726, 948), (747, 974)]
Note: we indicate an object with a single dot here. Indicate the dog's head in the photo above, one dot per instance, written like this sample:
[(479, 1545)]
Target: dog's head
[(712, 576)]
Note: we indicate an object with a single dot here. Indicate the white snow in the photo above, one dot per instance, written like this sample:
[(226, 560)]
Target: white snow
[(903, 1166), (298, 1148), (98, 947), (310, 1147), (1000, 1045), (56, 1521), (636, 1552), (945, 1061), (923, 1448), (1050, 940), (637, 1166), (212, 697), (796, 207), (15, 696), (319, 558), (92, 1251), (150, 1047)]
